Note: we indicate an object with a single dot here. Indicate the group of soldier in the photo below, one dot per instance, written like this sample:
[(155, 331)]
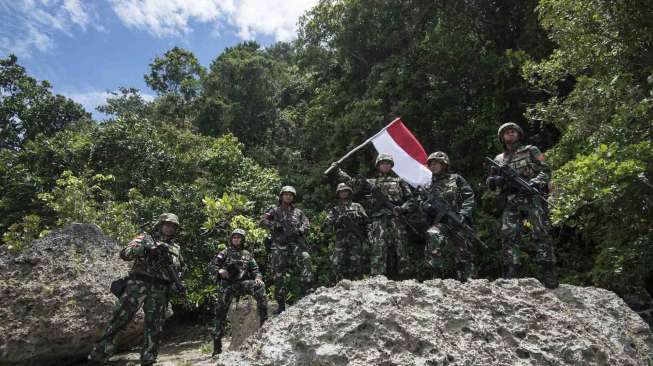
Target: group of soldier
[(519, 175)]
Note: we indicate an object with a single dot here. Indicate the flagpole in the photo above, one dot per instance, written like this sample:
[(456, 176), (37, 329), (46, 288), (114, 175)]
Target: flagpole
[(326, 172)]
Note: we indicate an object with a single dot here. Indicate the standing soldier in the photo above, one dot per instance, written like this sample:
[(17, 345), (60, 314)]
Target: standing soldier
[(350, 222), (289, 227), (455, 195), (236, 270), (527, 162), (157, 264), (390, 198)]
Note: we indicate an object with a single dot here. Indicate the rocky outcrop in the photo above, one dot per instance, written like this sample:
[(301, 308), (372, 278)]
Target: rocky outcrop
[(445, 322), (55, 300)]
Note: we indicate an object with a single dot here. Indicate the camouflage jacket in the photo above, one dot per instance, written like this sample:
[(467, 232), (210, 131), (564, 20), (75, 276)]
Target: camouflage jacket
[(235, 260), (287, 224), (528, 160), (146, 261), (346, 217), (455, 191), (396, 191)]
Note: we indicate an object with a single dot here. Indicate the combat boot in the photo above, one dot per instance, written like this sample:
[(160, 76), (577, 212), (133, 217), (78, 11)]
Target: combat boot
[(510, 272), (549, 277), (217, 347), (281, 307), (463, 271), (96, 357), (262, 316)]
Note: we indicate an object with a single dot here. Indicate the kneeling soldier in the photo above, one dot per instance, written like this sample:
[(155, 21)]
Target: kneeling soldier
[(238, 274)]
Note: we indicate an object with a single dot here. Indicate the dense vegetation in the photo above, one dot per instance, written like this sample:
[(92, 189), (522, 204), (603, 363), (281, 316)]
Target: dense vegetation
[(217, 143)]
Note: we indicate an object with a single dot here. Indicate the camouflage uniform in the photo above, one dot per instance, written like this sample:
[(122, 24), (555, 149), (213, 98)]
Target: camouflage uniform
[(349, 220), (387, 234), (454, 190), (243, 273), (148, 285), (528, 160), (289, 227)]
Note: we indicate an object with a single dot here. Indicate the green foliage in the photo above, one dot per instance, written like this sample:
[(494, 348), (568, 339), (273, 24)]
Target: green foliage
[(87, 200), (601, 101), (20, 234), (28, 107)]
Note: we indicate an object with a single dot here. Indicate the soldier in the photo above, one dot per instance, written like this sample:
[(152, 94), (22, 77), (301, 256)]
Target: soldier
[(236, 270), (157, 263), (390, 198), (350, 223), (458, 197), (528, 162), (289, 227)]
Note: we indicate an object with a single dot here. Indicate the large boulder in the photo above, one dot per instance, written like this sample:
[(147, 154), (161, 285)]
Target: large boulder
[(55, 300), (445, 322)]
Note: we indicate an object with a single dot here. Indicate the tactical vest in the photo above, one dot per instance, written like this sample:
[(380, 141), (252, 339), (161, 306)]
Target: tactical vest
[(236, 263), (445, 185), (148, 266), (522, 160)]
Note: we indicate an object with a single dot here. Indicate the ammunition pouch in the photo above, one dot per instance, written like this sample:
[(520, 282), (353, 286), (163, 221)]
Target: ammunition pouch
[(118, 286)]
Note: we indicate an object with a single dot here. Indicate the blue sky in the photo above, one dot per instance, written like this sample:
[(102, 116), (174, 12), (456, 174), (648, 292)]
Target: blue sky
[(86, 48)]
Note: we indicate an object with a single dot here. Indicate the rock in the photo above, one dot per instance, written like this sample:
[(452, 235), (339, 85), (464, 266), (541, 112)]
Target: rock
[(55, 300), (243, 317), (444, 322)]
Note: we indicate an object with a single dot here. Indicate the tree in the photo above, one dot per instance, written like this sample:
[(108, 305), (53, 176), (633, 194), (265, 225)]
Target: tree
[(28, 107)]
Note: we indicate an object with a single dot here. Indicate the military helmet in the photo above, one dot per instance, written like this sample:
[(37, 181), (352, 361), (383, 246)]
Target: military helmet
[(288, 189), (384, 157), (438, 156), (343, 187), (240, 232), (168, 217), (507, 125)]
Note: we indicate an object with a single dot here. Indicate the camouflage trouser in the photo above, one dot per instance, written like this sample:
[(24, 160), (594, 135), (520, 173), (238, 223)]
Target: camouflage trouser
[(154, 299), (516, 210), (438, 236), (387, 233), (347, 256), (294, 258), (226, 293)]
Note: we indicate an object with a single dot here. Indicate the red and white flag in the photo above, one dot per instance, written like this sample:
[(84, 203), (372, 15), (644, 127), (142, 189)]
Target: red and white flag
[(408, 154)]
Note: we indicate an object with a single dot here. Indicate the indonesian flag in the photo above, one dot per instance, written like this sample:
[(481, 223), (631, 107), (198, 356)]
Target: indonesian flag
[(408, 154)]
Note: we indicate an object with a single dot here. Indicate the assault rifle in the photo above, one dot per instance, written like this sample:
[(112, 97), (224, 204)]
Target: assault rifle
[(440, 211), (514, 179), (381, 200), (349, 224), (160, 257)]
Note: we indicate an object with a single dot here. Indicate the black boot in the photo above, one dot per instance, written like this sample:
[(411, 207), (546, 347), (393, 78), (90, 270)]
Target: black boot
[(262, 315), (217, 347), (549, 277), (510, 272), (281, 306), (463, 271)]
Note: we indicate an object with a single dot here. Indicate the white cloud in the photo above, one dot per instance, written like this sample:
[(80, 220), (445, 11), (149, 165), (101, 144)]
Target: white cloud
[(167, 17), (163, 18), (90, 100), (278, 18), (32, 25), (94, 98)]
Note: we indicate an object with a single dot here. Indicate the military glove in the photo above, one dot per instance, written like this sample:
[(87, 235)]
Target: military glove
[(398, 210), (534, 184)]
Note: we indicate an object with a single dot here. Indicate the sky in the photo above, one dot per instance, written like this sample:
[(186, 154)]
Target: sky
[(86, 48)]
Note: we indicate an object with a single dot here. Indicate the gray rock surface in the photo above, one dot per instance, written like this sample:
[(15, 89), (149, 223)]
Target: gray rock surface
[(55, 300), (506, 322)]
